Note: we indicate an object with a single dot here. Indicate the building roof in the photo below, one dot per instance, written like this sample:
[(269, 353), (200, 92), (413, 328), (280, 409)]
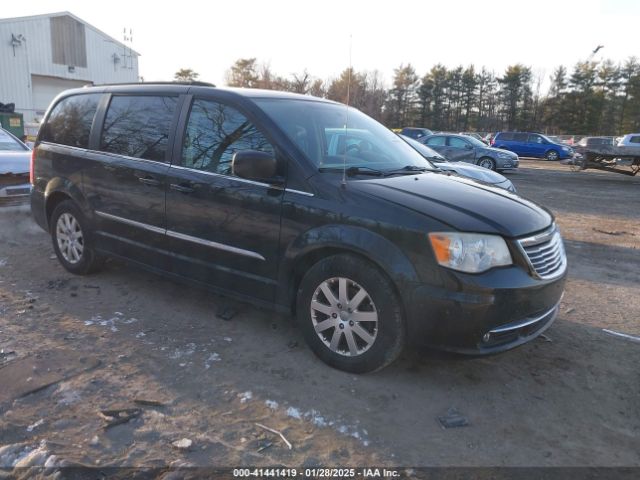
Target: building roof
[(59, 14)]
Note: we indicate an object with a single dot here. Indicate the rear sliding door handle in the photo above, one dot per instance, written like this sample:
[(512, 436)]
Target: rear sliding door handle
[(182, 187), (149, 181)]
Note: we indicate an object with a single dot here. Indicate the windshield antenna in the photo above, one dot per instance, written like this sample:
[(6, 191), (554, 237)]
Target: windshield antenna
[(346, 121)]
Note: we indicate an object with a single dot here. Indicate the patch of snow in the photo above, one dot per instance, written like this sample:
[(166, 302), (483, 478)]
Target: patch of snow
[(228, 339), (294, 412), (140, 334), (35, 425), (245, 397), (214, 357), (3, 262), (272, 404)]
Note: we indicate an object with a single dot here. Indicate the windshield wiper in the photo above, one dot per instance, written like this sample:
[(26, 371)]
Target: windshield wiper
[(351, 171), (409, 169)]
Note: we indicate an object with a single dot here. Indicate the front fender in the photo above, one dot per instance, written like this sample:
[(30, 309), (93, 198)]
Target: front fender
[(373, 246)]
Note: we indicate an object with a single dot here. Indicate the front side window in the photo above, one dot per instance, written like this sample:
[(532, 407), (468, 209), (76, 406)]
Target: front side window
[(214, 133), (535, 139), (70, 121), (138, 126)]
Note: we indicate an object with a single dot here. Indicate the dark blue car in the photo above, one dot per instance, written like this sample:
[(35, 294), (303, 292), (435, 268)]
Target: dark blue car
[(531, 145)]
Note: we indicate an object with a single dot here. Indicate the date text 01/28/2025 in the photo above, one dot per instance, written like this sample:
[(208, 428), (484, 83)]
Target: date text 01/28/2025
[(315, 473)]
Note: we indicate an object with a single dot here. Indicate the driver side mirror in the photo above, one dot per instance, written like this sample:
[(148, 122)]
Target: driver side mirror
[(468, 147), (255, 165)]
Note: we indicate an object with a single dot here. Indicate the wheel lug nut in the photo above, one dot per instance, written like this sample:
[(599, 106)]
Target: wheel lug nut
[(351, 323), (342, 326), (334, 315), (339, 305)]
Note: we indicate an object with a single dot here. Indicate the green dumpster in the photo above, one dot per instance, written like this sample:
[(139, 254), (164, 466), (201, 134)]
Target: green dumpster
[(13, 122)]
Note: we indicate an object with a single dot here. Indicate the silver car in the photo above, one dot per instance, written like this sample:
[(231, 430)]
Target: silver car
[(461, 148), (463, 169), (15, 158)]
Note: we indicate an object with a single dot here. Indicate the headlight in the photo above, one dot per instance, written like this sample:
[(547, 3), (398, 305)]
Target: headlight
[(566, 149), (470, 252), (504, 155)]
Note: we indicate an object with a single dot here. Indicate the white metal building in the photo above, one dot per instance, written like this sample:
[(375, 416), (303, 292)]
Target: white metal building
[(42, 55)]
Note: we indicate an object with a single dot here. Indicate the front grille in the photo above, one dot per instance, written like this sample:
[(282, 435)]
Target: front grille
[(545, 253)]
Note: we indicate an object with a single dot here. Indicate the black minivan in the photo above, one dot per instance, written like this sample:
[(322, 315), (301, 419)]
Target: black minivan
[(301, 204)]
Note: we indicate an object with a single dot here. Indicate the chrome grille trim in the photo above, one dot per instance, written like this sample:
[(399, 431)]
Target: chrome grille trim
[(545, 253)]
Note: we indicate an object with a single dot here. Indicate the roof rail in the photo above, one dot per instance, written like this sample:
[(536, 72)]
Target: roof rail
[(192, 83)]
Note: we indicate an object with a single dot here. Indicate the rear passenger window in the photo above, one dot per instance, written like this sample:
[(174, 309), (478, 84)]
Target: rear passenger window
[(456, 142), (70, 121), (507, 137), (634, 139), (214, 133), (436, 141), (520, 137), (138, 126)]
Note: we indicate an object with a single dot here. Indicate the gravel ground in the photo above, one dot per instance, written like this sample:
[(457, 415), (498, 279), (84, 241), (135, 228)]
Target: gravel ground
[(154, 350)]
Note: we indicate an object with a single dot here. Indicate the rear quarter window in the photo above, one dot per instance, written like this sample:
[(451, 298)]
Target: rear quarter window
[(71, 119), (635, 139)]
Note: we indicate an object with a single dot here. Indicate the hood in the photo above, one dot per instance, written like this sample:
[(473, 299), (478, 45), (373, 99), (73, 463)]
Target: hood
[(463, 204), (14, 162), (472, 171), (496, 151)]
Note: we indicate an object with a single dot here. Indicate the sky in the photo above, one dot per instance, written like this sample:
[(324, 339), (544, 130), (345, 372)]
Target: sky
[(292, 36)]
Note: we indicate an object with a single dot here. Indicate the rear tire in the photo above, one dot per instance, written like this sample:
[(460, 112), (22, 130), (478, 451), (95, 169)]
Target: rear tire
[(350, 314), (73, 239)]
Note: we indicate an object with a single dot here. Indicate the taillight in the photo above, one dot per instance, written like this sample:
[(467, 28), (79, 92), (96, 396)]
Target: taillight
[(31, 166)]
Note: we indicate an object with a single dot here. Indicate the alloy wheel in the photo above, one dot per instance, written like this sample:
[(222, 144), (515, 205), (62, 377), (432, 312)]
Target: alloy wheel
[(344, 316), (70, 238)]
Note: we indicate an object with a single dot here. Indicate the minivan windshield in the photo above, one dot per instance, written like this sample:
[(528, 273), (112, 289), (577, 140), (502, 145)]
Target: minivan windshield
[(332, 138)]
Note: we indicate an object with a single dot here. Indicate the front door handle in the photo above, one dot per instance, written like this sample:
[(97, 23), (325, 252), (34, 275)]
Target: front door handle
[(182, 187), (149, 181)]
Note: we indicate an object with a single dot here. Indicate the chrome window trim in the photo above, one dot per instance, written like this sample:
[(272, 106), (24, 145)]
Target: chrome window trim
[(61, 148), (222, 175), (240, 179), (182, 236)]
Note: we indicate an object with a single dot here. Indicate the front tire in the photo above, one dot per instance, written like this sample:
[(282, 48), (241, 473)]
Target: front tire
[(350, 314), (487, 162), (551, 155), (72, 239)]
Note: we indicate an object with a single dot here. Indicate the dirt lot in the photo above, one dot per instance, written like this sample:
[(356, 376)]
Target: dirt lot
[(126, 339)]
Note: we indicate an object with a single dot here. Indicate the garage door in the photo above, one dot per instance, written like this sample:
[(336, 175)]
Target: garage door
[(45, 89)]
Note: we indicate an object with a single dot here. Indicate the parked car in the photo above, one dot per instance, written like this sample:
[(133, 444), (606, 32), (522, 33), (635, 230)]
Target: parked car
[(630, 140), (234, 189), (14, 169), (460, 148), (477, 136), (463, 169), (531, 145), (594, 141), (415, 132)]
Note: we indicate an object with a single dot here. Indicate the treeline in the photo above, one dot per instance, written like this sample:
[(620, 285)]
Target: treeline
[(597, 98)]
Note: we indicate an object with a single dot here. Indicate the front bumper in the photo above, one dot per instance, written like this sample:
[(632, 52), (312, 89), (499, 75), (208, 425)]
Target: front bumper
[(488, 313), (507, 163)]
